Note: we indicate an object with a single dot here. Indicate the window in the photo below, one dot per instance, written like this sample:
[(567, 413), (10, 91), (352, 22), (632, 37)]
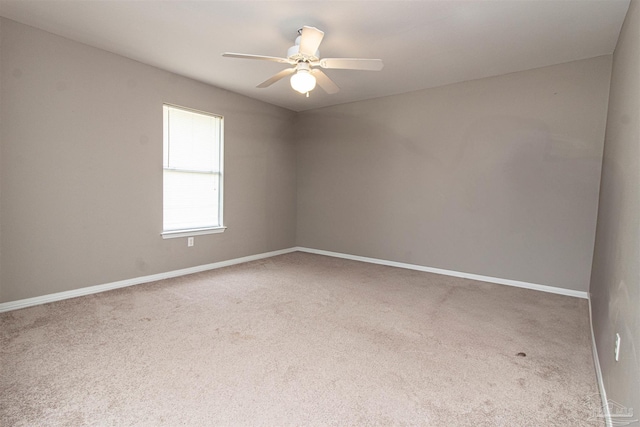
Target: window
[(192, 172)]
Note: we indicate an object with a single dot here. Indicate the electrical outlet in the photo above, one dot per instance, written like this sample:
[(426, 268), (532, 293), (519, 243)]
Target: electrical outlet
[(616, 352), (190, 241)]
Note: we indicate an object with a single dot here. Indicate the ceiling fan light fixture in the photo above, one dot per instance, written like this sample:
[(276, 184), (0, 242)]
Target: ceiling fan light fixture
[(302, 81)]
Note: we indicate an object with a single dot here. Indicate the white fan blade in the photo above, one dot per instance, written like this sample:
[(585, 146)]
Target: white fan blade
[(310, 40), (325, 82), (260, 57), (282, 74), (351, 64)]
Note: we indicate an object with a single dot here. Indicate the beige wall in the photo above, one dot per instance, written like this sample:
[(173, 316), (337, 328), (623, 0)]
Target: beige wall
[(615, 281), (81, 168), (497, 177)]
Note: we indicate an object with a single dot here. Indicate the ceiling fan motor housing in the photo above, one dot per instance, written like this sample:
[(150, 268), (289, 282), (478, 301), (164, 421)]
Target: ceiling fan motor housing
[(294, 54)]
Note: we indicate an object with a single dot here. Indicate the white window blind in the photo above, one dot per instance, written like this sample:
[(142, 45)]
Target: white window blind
[(192, 170)]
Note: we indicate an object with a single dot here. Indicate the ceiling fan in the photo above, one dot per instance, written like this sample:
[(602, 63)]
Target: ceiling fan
[(304, 56)]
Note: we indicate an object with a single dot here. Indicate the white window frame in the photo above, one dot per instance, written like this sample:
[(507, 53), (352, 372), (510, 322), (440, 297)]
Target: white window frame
[(170, 234)]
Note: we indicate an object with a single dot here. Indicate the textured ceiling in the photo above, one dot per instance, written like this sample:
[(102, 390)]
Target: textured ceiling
[(422, 43)]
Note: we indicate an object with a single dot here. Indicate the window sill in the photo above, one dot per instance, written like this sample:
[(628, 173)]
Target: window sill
[(192, 232)]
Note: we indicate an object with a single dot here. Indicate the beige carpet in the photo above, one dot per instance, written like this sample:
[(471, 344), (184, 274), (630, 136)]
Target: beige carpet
[(300, 339)]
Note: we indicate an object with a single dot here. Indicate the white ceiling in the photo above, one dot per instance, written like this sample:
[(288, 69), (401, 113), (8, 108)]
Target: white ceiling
[(422, 43)]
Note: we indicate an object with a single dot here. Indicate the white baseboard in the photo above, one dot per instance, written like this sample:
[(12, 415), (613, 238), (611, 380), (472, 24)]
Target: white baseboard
[(29, 302), (596, 361), (516, 283)]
